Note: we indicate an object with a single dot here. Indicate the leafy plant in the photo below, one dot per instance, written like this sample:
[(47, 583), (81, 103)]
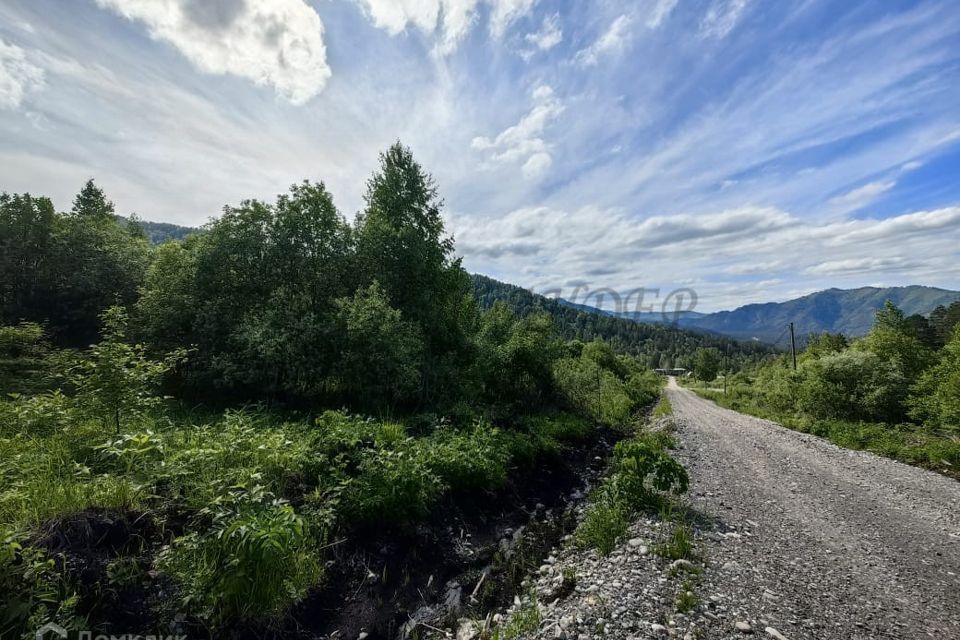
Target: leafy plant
[(253, 563)]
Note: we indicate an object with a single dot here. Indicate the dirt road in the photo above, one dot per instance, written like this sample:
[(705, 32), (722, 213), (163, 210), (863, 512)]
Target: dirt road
[(818, 541)]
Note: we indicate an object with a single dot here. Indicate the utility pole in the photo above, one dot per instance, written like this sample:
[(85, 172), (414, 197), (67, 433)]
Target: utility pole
[(793, 347)]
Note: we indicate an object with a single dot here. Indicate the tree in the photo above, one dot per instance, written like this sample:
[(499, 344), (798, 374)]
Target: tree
[(944, 320), (515, 356), (92, 202), (402, 245), (380, 352), (821, 344), (706, 364), (892, 340), (64, 270), (936, 396), (115, 379)]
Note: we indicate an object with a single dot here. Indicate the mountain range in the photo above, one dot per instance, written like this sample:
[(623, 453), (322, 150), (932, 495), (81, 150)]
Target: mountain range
[(847, 311)]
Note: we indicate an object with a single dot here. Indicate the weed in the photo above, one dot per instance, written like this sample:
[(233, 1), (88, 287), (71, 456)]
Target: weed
[(526, 619)]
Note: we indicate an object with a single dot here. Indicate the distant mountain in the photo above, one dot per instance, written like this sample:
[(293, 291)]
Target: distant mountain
[(656, 344), (160, 232), (847, 311)]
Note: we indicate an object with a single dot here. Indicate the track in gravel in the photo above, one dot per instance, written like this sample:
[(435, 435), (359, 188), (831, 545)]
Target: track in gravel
[(838, 544)]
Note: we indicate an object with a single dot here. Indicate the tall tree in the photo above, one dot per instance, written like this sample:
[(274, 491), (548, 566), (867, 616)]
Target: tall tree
[(402, 245), (92, 202)]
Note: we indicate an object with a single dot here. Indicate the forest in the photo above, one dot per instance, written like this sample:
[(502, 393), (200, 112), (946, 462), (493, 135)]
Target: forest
[(895, 392), (223, 433)]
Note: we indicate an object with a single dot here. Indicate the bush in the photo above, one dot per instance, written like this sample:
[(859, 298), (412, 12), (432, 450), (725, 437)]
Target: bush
[(391, 488), (468, 461)]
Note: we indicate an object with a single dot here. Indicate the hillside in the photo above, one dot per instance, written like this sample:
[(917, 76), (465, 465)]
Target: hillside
[(160, 232), (847, 311), (656, 344)]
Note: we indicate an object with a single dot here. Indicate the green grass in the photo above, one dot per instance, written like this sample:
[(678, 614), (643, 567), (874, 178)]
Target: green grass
[(524, 620), (642, 476), (912, 444)]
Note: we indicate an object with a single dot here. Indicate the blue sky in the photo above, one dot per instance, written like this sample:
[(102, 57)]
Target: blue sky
[(750, 150)]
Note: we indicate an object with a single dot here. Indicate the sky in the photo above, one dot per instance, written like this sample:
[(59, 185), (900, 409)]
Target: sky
[(747, 150)]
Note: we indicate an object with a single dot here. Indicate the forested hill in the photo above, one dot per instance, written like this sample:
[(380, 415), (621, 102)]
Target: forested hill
[(159, 232), (657, 344)]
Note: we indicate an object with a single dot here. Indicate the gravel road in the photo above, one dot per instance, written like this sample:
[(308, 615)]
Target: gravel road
[(820, 542)]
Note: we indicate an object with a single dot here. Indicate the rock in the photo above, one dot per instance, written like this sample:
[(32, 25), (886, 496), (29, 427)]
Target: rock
[(686, 565), (659, 629), (773, 633), (730, 566), (744, 627), (635, 542), (468, 630)]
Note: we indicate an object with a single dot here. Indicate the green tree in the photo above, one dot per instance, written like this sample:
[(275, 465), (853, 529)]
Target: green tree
[(380, 352), (515, 356), (936, 396), (92, 202), (821, 344), (115, 379), (402, 245), (892, 339), (706, 364)]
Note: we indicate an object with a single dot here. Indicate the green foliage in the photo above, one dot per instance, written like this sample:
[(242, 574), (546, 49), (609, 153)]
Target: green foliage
[(515, 357), (381, 353), (252, 563), (936, 398), (706, 363), (116, 379), (655, 345), (63, 270), (33, 591), (603, 387), (643, 473), (525, 620)]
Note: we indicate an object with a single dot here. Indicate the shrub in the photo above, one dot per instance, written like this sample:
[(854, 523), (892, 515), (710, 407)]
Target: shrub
[(391, 488), (468, 461)]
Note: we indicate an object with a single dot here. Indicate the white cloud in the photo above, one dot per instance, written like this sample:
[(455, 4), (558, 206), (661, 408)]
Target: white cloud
[(860, 265), (913, 165), (536, 165), (18, 77), (277, 43), (547, 247), (523, 142), (862, 196), (453, 18), (613, 40), (549, 35), (660, 12), (721, 18)]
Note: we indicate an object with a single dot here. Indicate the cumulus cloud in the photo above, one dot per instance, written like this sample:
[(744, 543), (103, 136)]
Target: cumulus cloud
[(721, 18), (523, 142), (862, 196), (450, 20), (18, 76), (613, 40), (276, 43)]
